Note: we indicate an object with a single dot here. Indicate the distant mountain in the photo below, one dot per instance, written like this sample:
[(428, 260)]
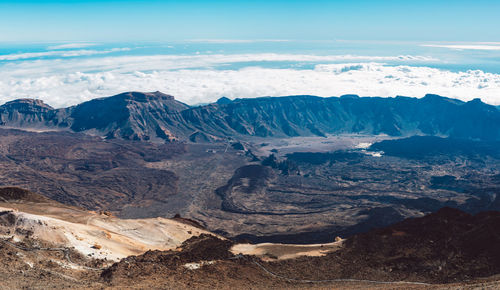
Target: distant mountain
[(133, 115), (27, 113), (157, 116), (309, 115)]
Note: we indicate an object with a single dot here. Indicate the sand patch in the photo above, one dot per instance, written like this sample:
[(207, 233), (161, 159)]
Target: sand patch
[(272, 251)]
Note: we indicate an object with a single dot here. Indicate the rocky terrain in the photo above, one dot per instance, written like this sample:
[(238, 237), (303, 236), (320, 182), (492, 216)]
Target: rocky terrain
[(448, 249), (159, 117), (328, 194), (338, 178), (81, 170), (24, 214), (242, 192), (446, 246)]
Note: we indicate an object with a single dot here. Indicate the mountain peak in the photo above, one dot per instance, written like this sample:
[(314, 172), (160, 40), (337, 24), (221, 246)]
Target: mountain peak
[(224, 101), (349, 96), (477, 101), (129, 115), (433, 97), (144, 96), (27, 102), (438, 98)]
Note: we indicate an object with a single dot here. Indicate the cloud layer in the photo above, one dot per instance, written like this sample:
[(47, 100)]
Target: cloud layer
[(204, 78), (71, 45), (58, 53), (486, 46)]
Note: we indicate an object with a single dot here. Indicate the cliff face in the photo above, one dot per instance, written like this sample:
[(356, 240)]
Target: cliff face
[(309, 115), (137, 116), (157, 116), (132, 115), (27, 113)]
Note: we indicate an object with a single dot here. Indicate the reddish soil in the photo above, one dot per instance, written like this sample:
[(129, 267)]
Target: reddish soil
[(448, 249), (443, 247)]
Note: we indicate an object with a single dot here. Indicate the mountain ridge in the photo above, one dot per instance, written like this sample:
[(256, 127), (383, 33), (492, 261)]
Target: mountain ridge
[(157, 116)]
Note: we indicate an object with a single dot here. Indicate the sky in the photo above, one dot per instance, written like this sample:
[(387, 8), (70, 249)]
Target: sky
[(147, 20), (67, 52)]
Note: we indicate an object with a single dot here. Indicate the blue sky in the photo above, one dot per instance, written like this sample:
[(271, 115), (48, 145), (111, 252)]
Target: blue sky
[(66, 52), (78, 20)]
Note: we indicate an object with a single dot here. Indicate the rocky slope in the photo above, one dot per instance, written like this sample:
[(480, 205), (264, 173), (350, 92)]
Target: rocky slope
[(90, 172), (44, 243), (27, 215), (156, 116), (28, 113), (321, 195), (133, 115), (446, 246)]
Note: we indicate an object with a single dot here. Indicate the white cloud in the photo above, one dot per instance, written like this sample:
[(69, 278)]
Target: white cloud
[(27, 55), (220, 41), (126, 64), (60, 53), (478, 46), (202, 78), (70, 45), (71, 53)]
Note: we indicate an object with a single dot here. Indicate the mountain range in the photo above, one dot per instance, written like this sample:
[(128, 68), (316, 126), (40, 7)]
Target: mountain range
[(159, 117)]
